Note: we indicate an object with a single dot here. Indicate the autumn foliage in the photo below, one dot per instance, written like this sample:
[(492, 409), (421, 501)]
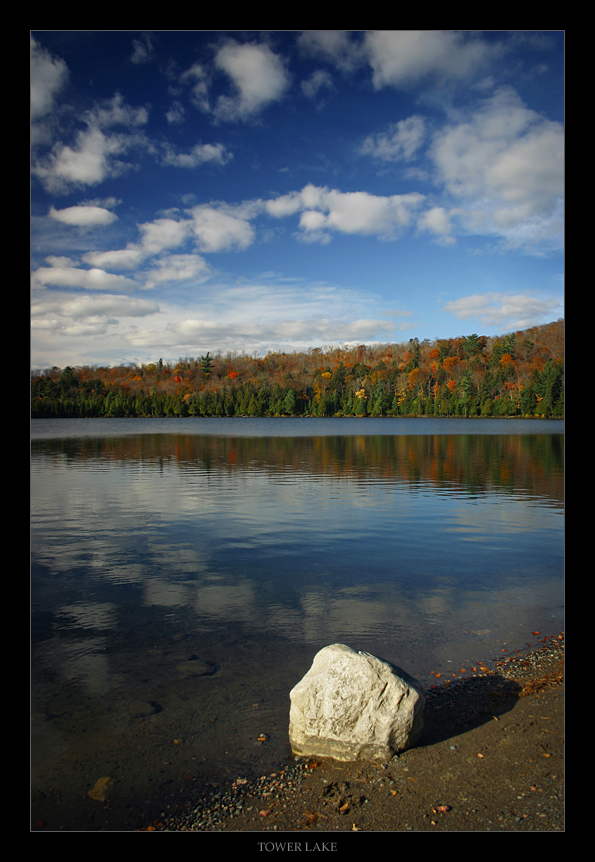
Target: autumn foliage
[(518, 374)]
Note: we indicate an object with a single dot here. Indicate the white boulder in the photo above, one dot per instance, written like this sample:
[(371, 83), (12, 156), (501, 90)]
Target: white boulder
[(354, 706)]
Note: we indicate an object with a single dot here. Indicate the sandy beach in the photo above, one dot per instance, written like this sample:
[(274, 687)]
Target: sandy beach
[(491, 759)]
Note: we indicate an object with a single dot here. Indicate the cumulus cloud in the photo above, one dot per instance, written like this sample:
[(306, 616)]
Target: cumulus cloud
[(437, 221), (83, 216), (505, 160), (91, 160), (84, 306), (315, 82), (176, 114), (178, 267), (335, 46), (259, 78), (124, 258), (116, 112), (94, 155), (162, 233), (198, 78), (59, 318), (400, 143), (324, 211), (402, 58), (198, 155), (143, 49), (503, 310), (48, 77), (216, 230), (156, 236), (62, 273)]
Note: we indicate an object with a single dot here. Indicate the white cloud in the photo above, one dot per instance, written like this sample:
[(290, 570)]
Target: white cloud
[(335, 46), (115, 112), (143, 49), (176, 114), (506, 162), (92, 160), (156, 236), (402, 58), (84, 306), (198, 155), (178, 267), (264, 319), (63, 274), (125, 258), (79, 321), (284, 205), (315, 82), (218, 231), (258, 75), (400, 143), (198, 78), (93, 157), (83, 216), (437, 221), (504, 310), (48, 77), (161, 234), (327, 210)]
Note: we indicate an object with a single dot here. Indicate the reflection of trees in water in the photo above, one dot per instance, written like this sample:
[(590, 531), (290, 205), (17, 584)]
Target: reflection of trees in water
[(473, 463)]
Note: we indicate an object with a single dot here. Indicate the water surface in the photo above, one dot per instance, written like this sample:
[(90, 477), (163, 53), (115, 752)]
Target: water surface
[(250, 544)]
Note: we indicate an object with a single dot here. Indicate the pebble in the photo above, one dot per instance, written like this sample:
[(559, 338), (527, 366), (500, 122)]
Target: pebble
[(214, 809)]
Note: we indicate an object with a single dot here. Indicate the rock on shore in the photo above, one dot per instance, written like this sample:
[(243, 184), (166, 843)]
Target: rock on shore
[(354, 706)]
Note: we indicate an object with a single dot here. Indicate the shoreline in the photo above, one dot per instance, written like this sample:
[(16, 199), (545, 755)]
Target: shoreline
[(490, 759)]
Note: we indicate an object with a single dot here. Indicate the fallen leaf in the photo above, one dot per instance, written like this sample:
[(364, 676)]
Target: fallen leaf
[(101, 789), (480, 755)]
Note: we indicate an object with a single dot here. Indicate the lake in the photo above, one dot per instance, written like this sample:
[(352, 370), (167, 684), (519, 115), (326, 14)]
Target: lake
[(184, 573)]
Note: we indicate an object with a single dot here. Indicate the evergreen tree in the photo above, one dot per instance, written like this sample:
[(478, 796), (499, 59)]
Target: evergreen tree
[(206, 364)]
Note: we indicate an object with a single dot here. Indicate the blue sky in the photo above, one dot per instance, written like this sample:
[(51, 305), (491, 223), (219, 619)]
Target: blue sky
[(280, 190)]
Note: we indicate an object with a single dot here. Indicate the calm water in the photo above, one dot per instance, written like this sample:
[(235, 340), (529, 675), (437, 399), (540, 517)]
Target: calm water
[(249, 545)]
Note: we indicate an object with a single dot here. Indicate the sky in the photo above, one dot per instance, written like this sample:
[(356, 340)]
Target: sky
[(256, 191)]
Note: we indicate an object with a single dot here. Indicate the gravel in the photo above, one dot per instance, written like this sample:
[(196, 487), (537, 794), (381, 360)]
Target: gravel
[(491, 759)]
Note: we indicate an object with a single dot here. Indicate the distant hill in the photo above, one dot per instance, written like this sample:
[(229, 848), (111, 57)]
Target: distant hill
[(518, 374)]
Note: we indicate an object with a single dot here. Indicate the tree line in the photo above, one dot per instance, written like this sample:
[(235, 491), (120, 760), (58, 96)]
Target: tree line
[(517, 374)]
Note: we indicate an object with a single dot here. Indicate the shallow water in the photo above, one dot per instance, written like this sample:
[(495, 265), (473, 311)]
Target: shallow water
[(249, 545)]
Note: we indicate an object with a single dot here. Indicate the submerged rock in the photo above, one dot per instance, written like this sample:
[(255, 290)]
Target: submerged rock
[(141, 708), (195, 667), (354, 706)]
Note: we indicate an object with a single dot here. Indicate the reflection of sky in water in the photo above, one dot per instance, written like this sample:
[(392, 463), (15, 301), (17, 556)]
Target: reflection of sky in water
[(367, 552)]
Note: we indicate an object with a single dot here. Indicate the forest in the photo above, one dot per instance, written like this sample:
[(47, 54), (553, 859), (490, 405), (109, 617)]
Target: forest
[(517, 374)]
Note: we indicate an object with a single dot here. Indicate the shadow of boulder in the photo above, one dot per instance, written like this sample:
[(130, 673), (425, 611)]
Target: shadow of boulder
[(454, 709)]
